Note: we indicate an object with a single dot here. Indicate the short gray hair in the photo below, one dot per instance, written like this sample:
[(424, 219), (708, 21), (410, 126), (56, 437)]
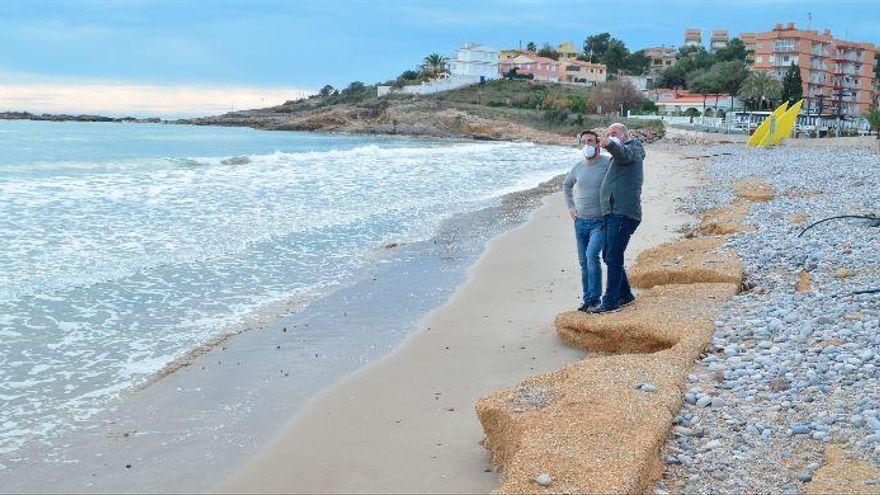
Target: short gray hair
[(620, 127)]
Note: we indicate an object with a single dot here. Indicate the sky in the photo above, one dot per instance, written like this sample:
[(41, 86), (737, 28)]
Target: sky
[(180, 57)]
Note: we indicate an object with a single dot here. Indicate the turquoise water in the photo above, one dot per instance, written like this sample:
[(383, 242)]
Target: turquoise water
[(124, 246)]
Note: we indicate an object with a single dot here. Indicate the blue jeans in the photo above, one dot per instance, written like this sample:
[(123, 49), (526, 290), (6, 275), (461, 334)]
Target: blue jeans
[(618, 230), (590, 235)]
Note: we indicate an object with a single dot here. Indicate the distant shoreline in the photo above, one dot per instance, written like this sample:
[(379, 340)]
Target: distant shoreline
[(502, 110), (63, 117)]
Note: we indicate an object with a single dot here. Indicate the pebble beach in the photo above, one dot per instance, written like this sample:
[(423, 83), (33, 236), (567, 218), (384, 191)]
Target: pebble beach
[(794, 365)]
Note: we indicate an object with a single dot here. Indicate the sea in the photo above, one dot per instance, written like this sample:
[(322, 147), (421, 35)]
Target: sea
[(125, 247)]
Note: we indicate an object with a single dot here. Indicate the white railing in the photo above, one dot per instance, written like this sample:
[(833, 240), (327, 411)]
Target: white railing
[(741, 122), (710, 124)]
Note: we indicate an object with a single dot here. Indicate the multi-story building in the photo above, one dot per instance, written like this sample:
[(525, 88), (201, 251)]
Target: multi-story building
[(837, 75), (542, 68), (580, 72), (719, 39), (749, 40), (474, 62), (661, 57), (567, 50), (693, 37)]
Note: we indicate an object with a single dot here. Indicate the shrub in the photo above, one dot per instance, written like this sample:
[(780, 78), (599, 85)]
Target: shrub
[(535, 100), (521, 101), (556, 115)]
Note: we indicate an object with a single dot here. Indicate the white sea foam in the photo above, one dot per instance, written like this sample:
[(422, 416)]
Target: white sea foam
[(118, 266)]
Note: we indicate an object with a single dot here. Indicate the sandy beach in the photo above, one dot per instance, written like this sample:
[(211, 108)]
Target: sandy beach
[(407, 422)]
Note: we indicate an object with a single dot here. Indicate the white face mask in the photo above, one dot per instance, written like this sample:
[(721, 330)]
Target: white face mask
[(615, 139), (589, 151)]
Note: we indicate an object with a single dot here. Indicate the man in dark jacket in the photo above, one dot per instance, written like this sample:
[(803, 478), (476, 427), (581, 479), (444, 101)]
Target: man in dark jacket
[(621, 200)]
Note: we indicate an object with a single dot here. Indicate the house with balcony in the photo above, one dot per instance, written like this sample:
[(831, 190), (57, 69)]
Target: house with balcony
[(541, 68), (661, 57), (475, 63), (579, 72)]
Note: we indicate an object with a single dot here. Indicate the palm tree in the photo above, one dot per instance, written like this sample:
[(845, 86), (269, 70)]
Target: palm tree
[(873, 116), (760, 87), (435, 65)]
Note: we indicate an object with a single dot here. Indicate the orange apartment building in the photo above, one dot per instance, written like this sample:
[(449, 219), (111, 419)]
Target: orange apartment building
[(838, 75)]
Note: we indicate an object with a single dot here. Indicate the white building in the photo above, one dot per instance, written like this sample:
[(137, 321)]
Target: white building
[(474, 62)]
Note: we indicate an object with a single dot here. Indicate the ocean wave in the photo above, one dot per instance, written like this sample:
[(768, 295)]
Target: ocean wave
[(419, 150)]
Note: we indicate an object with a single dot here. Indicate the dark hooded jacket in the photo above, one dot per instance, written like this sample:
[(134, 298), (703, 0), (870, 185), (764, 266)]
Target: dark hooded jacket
[(621, 191)]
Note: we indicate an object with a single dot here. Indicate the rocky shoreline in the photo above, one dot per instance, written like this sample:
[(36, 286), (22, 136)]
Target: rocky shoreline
[(783, 395), (790, 381), (428, 116), (63, 117)]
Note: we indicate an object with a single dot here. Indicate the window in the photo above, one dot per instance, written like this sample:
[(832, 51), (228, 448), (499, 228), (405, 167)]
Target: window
[(785, 45)]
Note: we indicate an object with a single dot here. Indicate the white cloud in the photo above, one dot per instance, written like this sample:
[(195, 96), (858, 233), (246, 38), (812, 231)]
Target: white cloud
[(119, 99)]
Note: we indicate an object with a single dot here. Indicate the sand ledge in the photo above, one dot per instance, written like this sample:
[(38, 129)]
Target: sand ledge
[(604, 429)]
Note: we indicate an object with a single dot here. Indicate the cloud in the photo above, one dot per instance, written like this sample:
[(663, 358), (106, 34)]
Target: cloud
[(118, 99)]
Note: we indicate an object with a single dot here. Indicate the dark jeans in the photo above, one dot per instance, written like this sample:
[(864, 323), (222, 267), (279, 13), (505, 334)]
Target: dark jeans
[(590, 235), (618, 230)]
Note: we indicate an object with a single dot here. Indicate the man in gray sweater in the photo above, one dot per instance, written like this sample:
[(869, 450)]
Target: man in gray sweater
[(586, 211), (621, 200)]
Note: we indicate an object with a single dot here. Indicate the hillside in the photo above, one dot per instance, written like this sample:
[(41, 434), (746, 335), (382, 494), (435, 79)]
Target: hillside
[(497, 110)]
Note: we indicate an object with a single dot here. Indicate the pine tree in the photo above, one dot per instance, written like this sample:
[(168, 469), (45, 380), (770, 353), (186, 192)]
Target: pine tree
[(792, 85)]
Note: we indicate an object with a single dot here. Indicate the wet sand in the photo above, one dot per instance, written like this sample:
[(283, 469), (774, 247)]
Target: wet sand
[(406, 423)]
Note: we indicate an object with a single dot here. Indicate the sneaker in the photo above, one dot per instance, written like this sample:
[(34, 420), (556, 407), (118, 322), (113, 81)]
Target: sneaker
[(587, 306), (603, 309), (627, 301)]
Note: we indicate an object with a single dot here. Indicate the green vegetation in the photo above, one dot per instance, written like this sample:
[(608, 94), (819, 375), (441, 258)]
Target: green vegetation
[(615, 55), (548, 51), (735, 50), (873, 116), (721, 77), (792, 85), (513, 73), (517, 94), (760, 91), (353, 93), (435, 65), (550, 106), (703, 72)]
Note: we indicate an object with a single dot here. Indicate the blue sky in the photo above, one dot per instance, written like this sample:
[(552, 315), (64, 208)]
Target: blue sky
[(281, 47)]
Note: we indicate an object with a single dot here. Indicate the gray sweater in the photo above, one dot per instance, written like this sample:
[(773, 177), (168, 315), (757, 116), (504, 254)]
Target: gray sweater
[(621, 191), (588, 177)]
